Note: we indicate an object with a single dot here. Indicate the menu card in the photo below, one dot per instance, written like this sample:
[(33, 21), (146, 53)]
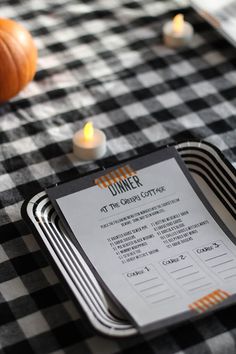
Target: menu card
[(151, 238)]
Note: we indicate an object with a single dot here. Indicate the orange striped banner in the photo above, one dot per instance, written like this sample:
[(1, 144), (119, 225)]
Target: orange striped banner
[(114, 176), (206, 302)]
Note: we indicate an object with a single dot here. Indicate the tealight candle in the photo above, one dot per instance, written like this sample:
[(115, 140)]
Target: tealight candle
[(89, 143), (177, 33)]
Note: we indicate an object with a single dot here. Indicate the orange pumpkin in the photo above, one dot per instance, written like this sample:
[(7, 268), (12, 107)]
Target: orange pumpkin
[(18, 57)]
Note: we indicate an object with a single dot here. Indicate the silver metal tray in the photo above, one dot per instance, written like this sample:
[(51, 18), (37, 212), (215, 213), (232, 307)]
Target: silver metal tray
[(215, 177)]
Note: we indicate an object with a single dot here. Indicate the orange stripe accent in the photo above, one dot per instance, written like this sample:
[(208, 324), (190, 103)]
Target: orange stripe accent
[(129, 170), (122, 172), (98, 183), (114, 176), (108, 180), (116, 179), (217, 296), (195, 307), (206, 302), (220, 294), (118, 175), (199, 309), (203, 305), (104, 184), (111, 178), (212, 300), (225, 293), (198, 306)]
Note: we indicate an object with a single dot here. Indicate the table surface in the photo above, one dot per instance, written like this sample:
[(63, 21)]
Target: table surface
[(102, 60)]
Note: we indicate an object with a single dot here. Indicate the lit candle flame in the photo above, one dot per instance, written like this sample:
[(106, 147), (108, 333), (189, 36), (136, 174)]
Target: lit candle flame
[(88, 131), (178, 24)]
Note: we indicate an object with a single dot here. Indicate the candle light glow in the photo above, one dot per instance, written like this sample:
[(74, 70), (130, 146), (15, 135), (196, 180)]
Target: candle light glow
[(177, 32), (88, 131), (178, 24), (89, 143)]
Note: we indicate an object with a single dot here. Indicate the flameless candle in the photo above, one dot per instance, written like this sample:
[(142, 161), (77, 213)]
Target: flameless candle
[(177, 33), (89, 143)]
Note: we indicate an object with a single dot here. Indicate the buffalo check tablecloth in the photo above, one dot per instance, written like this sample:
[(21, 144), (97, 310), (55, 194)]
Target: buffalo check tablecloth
[(105, 61)]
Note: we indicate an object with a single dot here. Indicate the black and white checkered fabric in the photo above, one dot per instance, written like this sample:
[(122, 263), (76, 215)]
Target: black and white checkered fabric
[(102, 60)]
